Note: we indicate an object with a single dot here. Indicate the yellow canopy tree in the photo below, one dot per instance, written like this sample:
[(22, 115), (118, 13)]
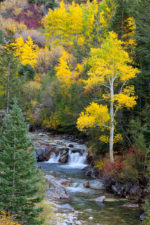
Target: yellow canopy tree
[(79, 23), (110, 67), (26, 51)]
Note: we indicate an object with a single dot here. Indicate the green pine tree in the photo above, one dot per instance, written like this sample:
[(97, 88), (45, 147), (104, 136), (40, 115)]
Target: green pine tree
[(20, 187), (10, 83)]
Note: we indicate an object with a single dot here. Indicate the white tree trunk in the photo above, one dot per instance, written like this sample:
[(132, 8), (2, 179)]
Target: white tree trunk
[(111, 136)]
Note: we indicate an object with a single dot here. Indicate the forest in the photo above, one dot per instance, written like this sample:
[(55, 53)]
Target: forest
[(78, 71)]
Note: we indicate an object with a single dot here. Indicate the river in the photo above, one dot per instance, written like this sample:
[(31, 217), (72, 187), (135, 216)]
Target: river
[(111, 212)]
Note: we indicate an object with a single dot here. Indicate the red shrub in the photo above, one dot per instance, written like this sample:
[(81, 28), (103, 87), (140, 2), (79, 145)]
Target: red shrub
[(113, 168), (131, 150), (31, 16)]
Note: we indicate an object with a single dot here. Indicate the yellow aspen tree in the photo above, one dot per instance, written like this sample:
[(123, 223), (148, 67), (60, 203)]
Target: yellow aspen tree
[(98, 17), (110, 68), (25, 51), (129, 34), (55, 24), (75, 21), (90, 11), (66, 72)]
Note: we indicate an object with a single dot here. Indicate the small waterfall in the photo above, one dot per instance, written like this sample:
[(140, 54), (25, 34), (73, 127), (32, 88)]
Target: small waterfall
[(76, 159), (77, 155), (54, 158)]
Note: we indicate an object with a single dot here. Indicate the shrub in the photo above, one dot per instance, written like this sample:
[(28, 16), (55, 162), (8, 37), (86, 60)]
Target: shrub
[(31, 16), (53, 122), (133, 164), (99, 164), (113, 169), (37, 37), (51, 5), (44, 63), (6, 219), (10, 27), (38, 2), (47, 59), (12, 8)]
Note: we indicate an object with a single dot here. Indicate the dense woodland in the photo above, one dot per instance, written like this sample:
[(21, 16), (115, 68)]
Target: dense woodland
[(81, 68)]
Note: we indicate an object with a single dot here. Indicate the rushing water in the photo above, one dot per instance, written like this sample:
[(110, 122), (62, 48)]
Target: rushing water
[(111, 212), (76, 159)]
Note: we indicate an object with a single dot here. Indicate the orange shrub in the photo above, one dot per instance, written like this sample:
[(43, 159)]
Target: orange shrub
[(113, 169)]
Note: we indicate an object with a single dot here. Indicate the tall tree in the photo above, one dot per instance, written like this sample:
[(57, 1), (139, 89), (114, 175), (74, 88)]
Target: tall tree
[(9, 77), (110, 71), (19, 176), (143, 53)]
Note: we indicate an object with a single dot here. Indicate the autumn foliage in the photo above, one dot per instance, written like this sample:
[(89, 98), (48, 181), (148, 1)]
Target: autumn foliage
[(111, 69), (25, 51), (6, 219)]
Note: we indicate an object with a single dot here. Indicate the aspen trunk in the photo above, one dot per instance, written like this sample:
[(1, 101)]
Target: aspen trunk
[(111, 137)]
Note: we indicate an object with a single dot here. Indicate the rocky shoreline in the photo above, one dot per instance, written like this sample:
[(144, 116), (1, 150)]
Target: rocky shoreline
[(125, 189), (57, 193)]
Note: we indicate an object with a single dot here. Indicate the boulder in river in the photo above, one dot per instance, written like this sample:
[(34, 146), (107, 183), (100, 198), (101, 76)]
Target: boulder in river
[(41, 134), (55, 190), (65, 207), (100, 199), (96, 184), (128, 190), (143, 216), (64, 155), (70, 145), (131, 205), (91, 172), (44, 151), (41, 154), (65, 182), (77, 151)]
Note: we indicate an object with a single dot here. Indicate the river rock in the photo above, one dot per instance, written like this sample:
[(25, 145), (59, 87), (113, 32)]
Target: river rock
[(86, 184), (40, 154), (77, 151), (100, 199), (41, 134), (129, 190), (64, 155), (70, 145), (91, 218), (54, 189), (49, 150), (44, 150), (131, 205), (91, 172), (65, 207), (96, 184), (66, 183), (143, 216)]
